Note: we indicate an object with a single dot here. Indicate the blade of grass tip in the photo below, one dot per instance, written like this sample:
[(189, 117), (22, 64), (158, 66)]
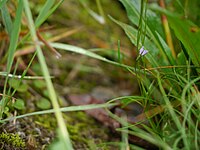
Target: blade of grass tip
[(11, 50), (101, 12), (6, 19), (43, 12), (97, 17), (61, 123)]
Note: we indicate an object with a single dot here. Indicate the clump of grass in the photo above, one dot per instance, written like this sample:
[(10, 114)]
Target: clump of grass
[(168, 77)]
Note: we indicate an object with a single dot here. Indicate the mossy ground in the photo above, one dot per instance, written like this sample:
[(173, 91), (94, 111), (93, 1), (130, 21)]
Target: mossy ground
[(39, 131)]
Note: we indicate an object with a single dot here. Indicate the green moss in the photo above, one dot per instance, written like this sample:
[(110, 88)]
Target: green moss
[(12, 140), (47, 121), (83, 129)]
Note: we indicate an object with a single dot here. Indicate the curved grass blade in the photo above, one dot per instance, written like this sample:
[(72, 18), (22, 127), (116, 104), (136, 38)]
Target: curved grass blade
[(64, 109), (82, 51)]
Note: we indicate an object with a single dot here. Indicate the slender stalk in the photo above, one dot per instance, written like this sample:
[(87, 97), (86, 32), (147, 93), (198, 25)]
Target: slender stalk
[(61, 123)]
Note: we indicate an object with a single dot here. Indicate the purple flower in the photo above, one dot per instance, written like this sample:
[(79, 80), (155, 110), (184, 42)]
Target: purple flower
[(143, 51)]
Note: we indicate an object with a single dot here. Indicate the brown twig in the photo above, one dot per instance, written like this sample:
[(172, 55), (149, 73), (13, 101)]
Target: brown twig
[(58, 55), (31, 49)]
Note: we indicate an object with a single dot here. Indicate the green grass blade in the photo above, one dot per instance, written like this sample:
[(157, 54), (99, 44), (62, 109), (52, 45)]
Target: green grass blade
[(47, 6), (12, 47), (6, 19), (14, 36), (82, 51), (64, 109), (52, 94), (46, 11)]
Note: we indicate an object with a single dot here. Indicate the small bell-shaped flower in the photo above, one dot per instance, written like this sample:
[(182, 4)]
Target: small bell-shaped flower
[(143, 51)]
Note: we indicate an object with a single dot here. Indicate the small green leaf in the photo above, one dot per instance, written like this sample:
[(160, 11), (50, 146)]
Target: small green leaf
[(6, 111), (14, 83), (22, 88), (39, 84), (19, 104), (43, 103), (45, 93)]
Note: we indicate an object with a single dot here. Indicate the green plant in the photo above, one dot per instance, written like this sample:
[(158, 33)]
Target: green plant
[(170, 79), (12, 140), (168, 75)]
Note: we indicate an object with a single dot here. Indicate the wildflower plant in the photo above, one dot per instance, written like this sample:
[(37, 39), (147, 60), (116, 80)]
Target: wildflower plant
[(169, 77)]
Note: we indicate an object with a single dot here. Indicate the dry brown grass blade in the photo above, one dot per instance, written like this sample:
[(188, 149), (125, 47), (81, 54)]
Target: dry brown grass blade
[(58, 55), (155, 111), (31, 49), (65, 34)]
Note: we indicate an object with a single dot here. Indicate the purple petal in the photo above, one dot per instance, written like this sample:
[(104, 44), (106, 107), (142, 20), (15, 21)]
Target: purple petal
[(143, 51)]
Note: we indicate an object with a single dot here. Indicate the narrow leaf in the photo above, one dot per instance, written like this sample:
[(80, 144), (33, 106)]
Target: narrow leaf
[(6, 19), (46, 12), (47, 6)]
